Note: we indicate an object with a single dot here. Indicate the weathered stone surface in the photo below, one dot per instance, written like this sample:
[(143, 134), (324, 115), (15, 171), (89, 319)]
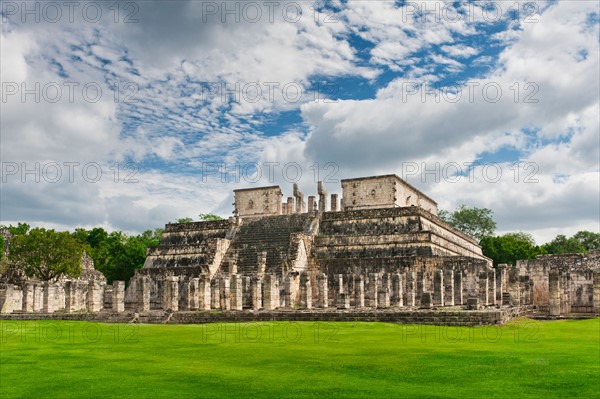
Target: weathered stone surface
[(426, 300), (372, 290), (472, 303), (118, 296), (438, 288), (95, 296), (448, 287), (236, 292), (359, 292), (554, 292), (323, 300)]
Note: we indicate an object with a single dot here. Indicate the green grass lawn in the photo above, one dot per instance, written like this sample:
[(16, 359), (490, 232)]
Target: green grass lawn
[(275, 360)]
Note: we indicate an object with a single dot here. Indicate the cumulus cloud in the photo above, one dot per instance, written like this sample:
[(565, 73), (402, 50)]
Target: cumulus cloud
[(179, 81)]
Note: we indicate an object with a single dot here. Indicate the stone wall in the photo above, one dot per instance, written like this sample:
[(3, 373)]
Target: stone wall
[(378, 192), (420, 316), (263, 201), (560, 284)]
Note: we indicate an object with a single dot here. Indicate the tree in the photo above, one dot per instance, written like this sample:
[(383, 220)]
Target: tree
[(117, 255), (588, 239), (522, 236), (20, 228), (563, 245), (475, 222), (209, 216), (1, 247), (46, 254), (185, 220), (510, 247)]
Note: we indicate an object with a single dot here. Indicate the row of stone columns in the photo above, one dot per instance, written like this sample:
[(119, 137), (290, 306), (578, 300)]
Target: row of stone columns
[(72, 296), (296, 203), (408, 289), (236, 292)]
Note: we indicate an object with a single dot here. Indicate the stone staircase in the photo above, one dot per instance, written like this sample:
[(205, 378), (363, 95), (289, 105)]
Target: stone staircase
[(275, 235)]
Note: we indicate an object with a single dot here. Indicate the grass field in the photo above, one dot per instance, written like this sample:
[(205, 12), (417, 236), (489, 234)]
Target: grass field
[(276, 360)]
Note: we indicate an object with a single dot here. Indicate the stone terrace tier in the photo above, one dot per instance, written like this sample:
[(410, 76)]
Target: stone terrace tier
[(196, 244), (389, 233)]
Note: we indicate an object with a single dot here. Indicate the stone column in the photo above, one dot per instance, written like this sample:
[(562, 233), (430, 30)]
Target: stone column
[(420, 283), (70, 297), (343, 301), (596, 292), (340, 283), (143, 294), (383, 298), (290, 291), (194, 293), (49, 305), (290, 205), (410, 288), (322, 197), (323, 300), (372, 288), (257, 293), (565, 300), (492, 287), (204, 293), (118, 296), (215, 294), (171, 294), (28, 296), (359, 291), (311, 203), (397, 298), (458, 288), (95, 297), (501, 274), (299, 197), (236, 292), (426, 300), (306, 300), (513, 286), (334, 203), (448, 287), (184, 290), (224, 293), (438, 288), (270, 297), (38, 298), (554, 293), (483, 288), (262, 263)]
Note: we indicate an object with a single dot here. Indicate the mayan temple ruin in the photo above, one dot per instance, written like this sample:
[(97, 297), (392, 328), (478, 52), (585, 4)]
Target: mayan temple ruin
[(378, 253)]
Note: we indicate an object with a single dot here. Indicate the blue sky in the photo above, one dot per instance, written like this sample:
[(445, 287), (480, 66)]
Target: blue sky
[(158, 94)]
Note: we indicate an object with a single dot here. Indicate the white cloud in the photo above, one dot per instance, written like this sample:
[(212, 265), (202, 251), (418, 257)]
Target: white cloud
[(171, 51)]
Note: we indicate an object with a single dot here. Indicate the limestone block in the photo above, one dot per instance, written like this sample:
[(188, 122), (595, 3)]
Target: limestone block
[(359, 292), (438, 288), (118, 296), (449, 287), (236, 292)]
